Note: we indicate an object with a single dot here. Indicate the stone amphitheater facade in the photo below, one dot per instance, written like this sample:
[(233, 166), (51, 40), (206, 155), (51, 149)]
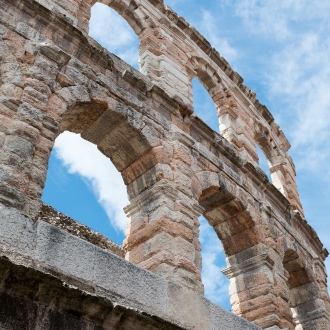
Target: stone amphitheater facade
[(56, 274)]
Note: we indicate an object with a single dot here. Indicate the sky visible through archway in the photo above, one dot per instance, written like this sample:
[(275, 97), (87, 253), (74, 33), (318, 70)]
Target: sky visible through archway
[(282, 50)]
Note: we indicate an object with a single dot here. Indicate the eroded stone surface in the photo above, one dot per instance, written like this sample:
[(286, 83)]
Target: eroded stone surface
[(65, 281), (55, 78)]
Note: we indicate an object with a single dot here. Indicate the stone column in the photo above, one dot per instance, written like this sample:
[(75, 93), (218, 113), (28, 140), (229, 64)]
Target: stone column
[(233, 126), (256, 292), (162, 62), (310, 302), (162, 234), (308, 309), (284, 179), (27, 112)]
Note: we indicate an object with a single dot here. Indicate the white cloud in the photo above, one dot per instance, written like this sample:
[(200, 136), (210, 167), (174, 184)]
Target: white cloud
[(301, 78), (274, 18), (113, 32), (297, 75), (83, 158), (215, 283)]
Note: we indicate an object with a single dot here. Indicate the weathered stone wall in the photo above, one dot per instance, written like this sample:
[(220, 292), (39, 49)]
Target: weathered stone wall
[(55, 78), (50, 279)]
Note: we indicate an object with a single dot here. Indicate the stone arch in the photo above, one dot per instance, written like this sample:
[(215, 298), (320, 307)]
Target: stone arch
[(275, 148), (303, 290), (300, 282), (238, 224), (298, 272), (229, 211), (132, 12), (209, 78), (119, 132), (116, 129), (205, 73), (235, 123), (273, 153)]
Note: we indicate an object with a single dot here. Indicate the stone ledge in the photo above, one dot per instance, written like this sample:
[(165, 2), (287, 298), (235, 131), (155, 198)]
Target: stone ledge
[(101, 274), (249, 265), (73, 307)]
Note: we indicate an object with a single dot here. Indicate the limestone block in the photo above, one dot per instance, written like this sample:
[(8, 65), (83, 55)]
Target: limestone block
[(180, 273), (54, 53), (75, 76), (38, 175), (74, 94), (11, 73), (60, 251), (29, 33), (28, 110), (17, 231), (147, 230), (250, 280), (196, 313), (2, 139), (11, 90), (150, 135), (119, 276), (303, 293), (246, 254), (19, 146), (223, 319), (176, 245), (35, 98), (44, 69), (182, 179)]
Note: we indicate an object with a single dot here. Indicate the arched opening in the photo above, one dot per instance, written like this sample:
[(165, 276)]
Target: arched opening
[(204, 105), (107, 128), (303, 291), (114, 33), (231, 222), (271, 158), (263, 163), (216, 284), (74, 185), (83, 184)]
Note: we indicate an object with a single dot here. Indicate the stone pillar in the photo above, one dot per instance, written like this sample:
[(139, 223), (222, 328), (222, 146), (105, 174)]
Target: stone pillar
[(27, 128), (234, 126), (161, 62), (162, 234), (308, 309), (283, 178), (278, 177), (309, 301), (257, 293), (321, 278)]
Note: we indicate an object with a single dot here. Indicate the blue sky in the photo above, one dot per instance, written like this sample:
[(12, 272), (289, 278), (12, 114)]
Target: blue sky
[(282, 50)]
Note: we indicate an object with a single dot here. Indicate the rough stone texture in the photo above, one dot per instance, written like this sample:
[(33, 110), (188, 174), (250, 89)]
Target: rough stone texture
[(60, 220), (55, 78), (26, 306), (65, 282)]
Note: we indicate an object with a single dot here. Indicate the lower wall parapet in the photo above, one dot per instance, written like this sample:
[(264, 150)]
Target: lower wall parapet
[(51, 279), (60, 220)]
